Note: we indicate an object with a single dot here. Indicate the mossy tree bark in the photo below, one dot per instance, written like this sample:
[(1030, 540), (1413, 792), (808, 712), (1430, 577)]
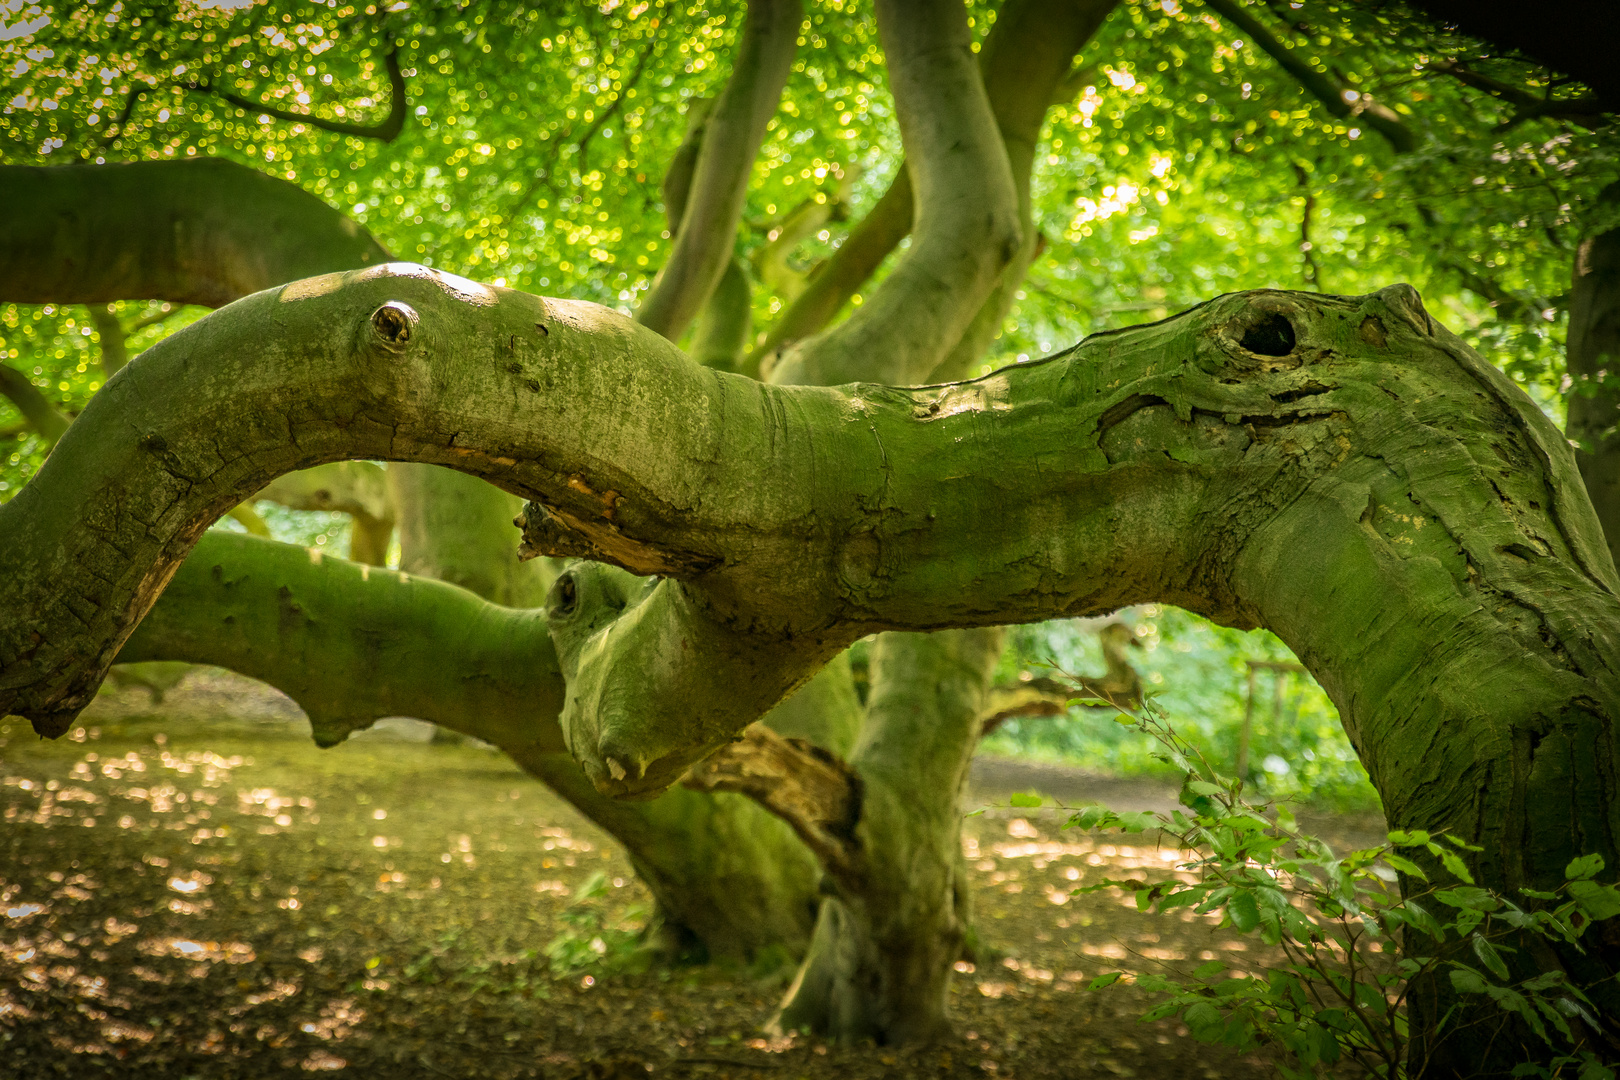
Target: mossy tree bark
[(730, 897), (1342, 470), (893, 926), (880, 964)]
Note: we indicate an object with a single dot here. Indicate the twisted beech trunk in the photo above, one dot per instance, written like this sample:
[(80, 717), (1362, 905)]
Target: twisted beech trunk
[(207, 232), (880, 963), (352, 643), (966, 201), (1341, 470), (717, 190), (1594, 364), (1024, 61)]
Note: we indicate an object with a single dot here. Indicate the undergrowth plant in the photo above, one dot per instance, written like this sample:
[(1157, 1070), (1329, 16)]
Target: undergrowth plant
[(1336, 994)]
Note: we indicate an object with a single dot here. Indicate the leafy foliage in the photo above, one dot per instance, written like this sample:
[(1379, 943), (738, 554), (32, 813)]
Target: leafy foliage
[(1198, 670), (1334, 991), (1187, 162)]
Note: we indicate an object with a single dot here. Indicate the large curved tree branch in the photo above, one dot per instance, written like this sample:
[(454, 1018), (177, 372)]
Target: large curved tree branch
[(387, 129), (970, 182), (1264, 459), (190, 232), (351, 644), (731, 137)]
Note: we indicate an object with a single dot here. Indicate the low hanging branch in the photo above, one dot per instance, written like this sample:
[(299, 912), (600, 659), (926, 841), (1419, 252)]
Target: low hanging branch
[(200, 231), (386, 130), (351, 644)]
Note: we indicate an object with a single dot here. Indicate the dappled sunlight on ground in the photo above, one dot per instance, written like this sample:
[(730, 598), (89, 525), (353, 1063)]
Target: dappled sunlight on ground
[(220, 898)]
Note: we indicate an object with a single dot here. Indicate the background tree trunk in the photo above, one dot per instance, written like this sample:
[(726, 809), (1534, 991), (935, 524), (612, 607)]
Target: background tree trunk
[(1594, 367), (880, 962), (458, 528)]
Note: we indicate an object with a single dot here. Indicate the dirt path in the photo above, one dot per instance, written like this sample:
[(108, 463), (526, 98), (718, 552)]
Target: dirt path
[(185, 895)]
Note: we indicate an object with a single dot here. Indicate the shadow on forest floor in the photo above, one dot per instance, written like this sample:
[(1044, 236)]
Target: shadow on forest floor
[(195, 890)]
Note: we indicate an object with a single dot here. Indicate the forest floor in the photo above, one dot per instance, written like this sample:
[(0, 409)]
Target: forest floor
[(195, 890)]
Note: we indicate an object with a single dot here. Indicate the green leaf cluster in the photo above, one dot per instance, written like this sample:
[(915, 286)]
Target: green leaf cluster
[(1336, 991)]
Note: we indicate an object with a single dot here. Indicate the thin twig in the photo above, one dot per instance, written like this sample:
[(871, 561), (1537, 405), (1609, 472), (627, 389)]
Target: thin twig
[(582, 147), (387, 130)]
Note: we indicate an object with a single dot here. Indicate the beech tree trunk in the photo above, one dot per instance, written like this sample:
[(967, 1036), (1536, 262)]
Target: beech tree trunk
[(458, 528), (880, 963), (1594, 368)]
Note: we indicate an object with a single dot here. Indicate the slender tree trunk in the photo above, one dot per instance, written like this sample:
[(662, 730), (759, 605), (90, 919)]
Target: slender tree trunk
[(357, 488), (1594, 368), (880, 963), (458, 528), (733, 131), (46, 420)]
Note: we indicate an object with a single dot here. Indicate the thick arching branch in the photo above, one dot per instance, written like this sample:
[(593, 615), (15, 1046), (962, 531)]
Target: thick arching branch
[(352, 644), (1341, 470), (387, 129), (189, 232), (731, 138)]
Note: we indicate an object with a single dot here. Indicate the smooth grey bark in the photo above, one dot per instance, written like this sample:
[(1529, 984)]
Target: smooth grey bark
[(732, 134), (880, 963), (1025, 63), (1594, 367), (200, 231), (966, 226)]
